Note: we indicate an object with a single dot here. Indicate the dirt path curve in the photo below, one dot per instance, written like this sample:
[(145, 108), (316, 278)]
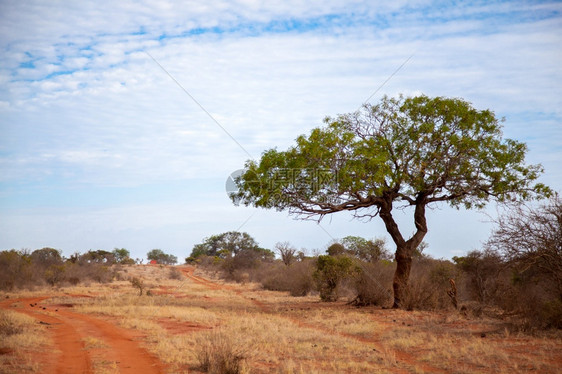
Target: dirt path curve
[(402, 357), (189, 270), (72, 330)]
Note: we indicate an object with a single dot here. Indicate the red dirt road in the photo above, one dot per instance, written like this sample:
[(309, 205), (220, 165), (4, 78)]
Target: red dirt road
[(69, 331)]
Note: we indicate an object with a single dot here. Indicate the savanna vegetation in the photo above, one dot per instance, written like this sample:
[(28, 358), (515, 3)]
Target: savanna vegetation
[(282, 311), (515, 276), (47, 266)]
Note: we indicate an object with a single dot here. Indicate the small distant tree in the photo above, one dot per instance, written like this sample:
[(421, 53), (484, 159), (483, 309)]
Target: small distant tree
[(287, 252), (121, 255), (46, 257), (369, 250), (138, 284), (162, 258), (225, 245), (335, 249), (98, 256), (155, 254)]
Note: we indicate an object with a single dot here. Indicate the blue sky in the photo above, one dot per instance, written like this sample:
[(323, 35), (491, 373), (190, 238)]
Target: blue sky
[(100, 148)]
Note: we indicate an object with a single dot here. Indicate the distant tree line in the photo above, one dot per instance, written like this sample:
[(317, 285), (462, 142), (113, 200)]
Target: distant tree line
[(24, 268)]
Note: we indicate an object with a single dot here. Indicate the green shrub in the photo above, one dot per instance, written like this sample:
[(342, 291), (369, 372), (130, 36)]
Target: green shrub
[(330, 272)]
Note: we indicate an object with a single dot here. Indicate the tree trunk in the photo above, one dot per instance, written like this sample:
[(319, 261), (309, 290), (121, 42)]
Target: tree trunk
[(403, 258), (404, 249)]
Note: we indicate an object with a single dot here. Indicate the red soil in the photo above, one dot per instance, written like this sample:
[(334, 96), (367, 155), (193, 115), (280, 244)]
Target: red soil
[(69, 329)]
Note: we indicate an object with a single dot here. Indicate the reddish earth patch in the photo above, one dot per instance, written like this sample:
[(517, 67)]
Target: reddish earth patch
[(69, 356), (6, 351), (177, 327), (69, 329)]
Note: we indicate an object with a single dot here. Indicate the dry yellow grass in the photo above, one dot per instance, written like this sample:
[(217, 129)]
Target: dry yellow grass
[(20, 339), (276, 333), (270, 340)]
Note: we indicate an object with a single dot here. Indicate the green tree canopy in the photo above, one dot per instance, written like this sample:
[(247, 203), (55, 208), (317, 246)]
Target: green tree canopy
[(162, 258), (405, 151), (121, 255), (369, 250), (225, 245), (99, 256)]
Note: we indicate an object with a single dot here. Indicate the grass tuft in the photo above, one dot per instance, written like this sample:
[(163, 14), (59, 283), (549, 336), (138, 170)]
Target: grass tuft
[(218, 354)]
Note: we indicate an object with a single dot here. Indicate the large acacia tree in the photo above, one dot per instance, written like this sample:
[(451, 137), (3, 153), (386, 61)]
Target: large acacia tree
[(401, 152)]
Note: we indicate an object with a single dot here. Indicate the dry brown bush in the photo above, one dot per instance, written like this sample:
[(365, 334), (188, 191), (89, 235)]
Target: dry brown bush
[(428, 285), (296, 278), (373, 284), (485, 277), (175, 274), (218, 353), (529, 239), (16, 270), (9, 325)]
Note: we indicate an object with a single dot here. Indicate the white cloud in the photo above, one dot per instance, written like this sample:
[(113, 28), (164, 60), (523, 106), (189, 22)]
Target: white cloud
[(83, 105)]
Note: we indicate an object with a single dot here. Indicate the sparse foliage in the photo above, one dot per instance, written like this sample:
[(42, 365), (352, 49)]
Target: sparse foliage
[(138, 284), (368, 250), (46, 265), (530, 238), (430, 285), (122, 256), (287, 252), (16, 269), (482, 275), (175, 274)]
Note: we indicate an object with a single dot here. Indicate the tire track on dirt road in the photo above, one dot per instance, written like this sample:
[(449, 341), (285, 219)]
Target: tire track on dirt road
[(188, 272), (69, 331), (69, 355), (401, 357)]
